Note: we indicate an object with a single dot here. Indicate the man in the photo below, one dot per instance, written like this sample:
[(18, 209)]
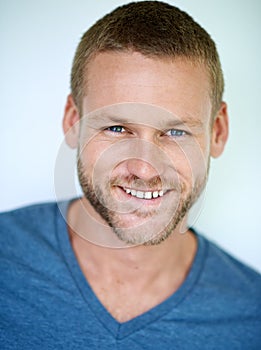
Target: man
[(119, 268)]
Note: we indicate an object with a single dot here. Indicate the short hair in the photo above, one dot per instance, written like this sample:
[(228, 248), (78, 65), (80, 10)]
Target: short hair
[(154, 29)]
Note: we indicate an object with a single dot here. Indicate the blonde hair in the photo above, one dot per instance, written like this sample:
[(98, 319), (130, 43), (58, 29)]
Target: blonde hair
[(155, 29)]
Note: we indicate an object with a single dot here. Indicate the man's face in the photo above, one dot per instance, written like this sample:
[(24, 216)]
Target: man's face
[(144, 143)]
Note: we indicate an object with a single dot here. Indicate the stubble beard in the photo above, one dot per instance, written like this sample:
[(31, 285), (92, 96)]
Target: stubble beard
[(138, 235)]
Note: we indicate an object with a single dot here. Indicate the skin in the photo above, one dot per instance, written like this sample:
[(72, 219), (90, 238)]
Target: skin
[(154, 98)]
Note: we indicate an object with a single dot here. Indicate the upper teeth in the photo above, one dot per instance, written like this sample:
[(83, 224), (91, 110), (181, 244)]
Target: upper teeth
[(142, 194)]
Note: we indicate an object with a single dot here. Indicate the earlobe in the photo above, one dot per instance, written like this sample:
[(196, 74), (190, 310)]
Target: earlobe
[(71, 121), (219, 131)]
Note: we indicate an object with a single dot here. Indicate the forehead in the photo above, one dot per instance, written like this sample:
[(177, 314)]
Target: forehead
[(179, 86)]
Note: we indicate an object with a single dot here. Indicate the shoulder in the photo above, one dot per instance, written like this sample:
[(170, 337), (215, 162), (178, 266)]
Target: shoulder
[(27, 212), (230, 281), (29, 242), (228, 267), (27, 219), (29, 228)]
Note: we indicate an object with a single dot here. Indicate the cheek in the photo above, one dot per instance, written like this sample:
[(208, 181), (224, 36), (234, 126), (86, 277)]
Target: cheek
[(89, 154), (100, 158), (190, 159), (198, 156)]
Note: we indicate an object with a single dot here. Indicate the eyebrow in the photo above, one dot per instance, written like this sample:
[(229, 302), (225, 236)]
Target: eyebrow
[(111, 118)]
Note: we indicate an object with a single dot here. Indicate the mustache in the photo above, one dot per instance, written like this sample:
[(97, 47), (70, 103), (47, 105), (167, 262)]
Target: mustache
[(154, 183)]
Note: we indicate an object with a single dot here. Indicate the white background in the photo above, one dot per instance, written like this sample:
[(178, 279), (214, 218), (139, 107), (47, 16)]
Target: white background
[(38, 40)]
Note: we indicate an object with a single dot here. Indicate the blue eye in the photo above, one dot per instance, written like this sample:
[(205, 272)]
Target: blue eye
[(116, 128), (176, 132)]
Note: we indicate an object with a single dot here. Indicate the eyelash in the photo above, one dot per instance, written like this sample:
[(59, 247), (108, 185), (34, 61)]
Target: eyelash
[(118, 129), (178, 132), (115, 127)]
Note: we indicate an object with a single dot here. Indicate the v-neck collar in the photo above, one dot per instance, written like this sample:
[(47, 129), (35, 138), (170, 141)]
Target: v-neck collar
[(117, 329)]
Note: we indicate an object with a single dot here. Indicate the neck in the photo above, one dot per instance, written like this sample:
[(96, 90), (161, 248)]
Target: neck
[(139, 265)]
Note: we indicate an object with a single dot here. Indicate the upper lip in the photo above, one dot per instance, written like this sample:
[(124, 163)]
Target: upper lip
[(145, 190)]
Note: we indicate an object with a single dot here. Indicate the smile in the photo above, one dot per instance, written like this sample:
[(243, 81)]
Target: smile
[(143, 194)]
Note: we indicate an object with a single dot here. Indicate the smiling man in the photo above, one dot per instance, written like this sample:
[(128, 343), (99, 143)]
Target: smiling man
[(120, 268), (152, 142)]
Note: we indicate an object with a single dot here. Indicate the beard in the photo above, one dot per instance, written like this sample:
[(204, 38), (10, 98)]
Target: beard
[(155, 224)]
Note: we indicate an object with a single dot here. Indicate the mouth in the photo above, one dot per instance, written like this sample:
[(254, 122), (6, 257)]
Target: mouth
[(148, 195)]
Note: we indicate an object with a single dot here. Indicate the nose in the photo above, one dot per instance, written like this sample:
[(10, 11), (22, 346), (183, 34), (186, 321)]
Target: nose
[(146, 159), (142, 169)]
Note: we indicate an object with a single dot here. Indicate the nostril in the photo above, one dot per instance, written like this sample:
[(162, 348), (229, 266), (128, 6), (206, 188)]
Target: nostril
[(141, 169)]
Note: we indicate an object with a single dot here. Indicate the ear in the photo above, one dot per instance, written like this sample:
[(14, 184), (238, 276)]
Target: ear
[(71, 121), (219, 131)]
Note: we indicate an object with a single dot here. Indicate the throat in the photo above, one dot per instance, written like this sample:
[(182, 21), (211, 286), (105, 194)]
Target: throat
[(124, 301), (134, 292)]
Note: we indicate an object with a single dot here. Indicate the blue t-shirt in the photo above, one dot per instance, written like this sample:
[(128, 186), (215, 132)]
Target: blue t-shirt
[(46, 302)]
